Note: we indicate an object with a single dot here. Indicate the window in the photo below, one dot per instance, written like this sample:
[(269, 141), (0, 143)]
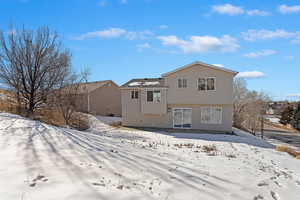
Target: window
[(153, 96), (182, 118), (182, 83), (211, 115), (134, 94), (201, 84), (206, 84), (210, 83), (156, 96)]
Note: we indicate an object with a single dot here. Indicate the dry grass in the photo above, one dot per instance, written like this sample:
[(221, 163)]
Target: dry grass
[(54, 117), (288, 150), (47, 115), (187, 145), (209, 148)]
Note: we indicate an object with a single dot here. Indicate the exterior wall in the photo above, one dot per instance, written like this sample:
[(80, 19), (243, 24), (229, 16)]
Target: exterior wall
[(140, 113), (153, 107), (106, 100), (191, 94), (133, 117), (132, 111), (226, 125), (83, 103)]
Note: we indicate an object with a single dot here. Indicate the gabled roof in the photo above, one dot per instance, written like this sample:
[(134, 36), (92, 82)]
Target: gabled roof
[(144, 83), (199, 63), (90, 86)]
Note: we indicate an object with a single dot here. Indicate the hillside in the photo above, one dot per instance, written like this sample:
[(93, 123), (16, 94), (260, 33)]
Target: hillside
[(39, 161)]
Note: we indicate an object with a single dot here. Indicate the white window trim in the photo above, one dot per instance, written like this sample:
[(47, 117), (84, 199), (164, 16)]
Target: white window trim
[(221, 118), (154, 89), (173, 109), (206, 84)]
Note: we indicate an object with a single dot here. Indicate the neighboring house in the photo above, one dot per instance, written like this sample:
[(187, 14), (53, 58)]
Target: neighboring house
[(100, 98), (195, 96)]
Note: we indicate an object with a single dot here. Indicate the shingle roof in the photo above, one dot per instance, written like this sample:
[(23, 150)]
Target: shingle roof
[(144, 83), (90, 86)]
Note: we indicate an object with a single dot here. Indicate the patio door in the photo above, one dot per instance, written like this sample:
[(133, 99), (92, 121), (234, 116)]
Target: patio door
[(182, 117)]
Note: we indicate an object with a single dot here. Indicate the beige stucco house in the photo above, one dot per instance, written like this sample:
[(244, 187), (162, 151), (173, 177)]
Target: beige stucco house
[(195, 96), (100, 98)]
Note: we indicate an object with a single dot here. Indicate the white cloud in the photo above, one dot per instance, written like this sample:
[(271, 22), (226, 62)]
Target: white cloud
[(250, 74), (115, 33), (228, 9), (163, 27), (102, 3), (109, 33), (284, 9), (294, 95), (141, 47), (263, 34), (258, 54), (201, 44), (138, 35), (257, 12)]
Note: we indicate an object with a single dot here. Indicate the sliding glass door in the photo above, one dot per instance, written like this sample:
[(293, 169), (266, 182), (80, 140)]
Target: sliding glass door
[(182, 117)]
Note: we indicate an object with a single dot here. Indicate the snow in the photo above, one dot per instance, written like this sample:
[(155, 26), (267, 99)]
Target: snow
[(39, 161), (135, 84), (274, 119), (151, 83), (147, 83)]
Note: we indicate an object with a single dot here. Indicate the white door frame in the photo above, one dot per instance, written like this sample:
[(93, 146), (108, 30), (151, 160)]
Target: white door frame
[(173, 110)]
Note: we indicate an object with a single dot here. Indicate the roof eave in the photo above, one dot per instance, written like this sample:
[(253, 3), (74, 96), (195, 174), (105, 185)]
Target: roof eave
[(200, 63)]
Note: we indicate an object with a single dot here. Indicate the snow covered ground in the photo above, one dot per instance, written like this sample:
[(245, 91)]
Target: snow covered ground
[(274, 119), (39, 161)]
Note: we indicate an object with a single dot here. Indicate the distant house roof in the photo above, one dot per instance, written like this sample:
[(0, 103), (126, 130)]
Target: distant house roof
[(200, 63), (144, 83), (90, 86)]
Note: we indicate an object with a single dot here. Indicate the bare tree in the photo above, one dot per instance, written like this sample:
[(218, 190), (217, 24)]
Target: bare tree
[(68, 98), (240, 93), (249, 106), (32, 64)]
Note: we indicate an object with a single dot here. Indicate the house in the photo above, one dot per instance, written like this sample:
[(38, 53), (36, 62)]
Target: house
[(100, 98), (195, 96)]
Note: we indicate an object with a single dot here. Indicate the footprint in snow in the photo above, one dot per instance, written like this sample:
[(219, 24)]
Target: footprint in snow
[(258, 197), (39, 178), (274, 195), (262, 183)]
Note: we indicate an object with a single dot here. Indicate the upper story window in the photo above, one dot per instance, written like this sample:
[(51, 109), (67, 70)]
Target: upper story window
[(207, 83), (182, 83), (134, 94), (153, 96)]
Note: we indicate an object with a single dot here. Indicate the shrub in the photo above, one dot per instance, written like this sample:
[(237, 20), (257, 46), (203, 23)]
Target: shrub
[(288, 150), (209, 148)]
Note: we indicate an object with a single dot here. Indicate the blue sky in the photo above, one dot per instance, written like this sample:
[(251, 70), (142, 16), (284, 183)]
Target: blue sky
[(124, 39)]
